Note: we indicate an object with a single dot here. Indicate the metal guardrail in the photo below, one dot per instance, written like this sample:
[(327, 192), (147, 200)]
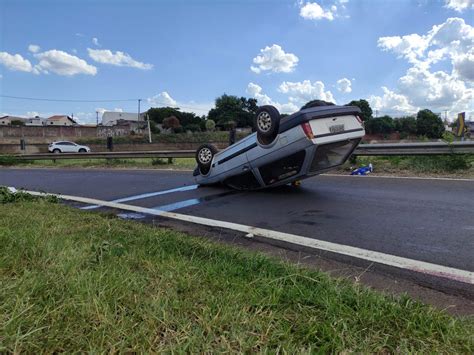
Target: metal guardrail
[(429, 148), (425, 148)]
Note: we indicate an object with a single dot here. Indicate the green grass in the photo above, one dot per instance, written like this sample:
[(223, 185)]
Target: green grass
[(76, 281), (177, 163), (436, 164)]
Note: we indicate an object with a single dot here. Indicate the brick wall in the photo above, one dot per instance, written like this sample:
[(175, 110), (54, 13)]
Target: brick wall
[(47, 134)]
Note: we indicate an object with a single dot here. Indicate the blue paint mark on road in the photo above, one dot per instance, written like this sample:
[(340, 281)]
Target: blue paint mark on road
[(193, 201), (146, 195)]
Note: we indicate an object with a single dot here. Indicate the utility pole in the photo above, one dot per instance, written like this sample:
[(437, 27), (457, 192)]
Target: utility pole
[(149, 129), (138, 115), (376, 113), (97, 118)]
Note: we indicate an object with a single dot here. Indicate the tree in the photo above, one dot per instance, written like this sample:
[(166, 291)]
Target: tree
[(158, 114), (383, 125), (17, 123), (406, 125), (210, 125), (232, 108), (171, 122), (364, 107), (192, 127), (315, 103), (429, 124)]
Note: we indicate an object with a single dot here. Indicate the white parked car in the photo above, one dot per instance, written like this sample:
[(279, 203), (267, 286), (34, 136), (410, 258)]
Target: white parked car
[(67, 147)]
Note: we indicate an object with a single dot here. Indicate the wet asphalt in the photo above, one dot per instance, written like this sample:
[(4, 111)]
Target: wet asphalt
[(427, 220)]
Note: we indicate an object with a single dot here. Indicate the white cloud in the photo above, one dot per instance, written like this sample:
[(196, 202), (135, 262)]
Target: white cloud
[(33, 48), (424, 88), (344, 85), (274, 59), (391, 103), (162, 99), (121, 59), (95, 40), (463, 66), (450, 39), (101, 110), (15, 62), (421, 87), (459, 5), (304, 91), (257, 92), (165, 99), (314, 11), (62, 63)]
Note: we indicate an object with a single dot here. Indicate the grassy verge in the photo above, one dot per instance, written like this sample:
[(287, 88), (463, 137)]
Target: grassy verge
[(436, 165), (80, 281), (149, 163)]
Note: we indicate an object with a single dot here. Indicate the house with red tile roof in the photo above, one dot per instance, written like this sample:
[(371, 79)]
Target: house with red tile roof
[(60, 120)]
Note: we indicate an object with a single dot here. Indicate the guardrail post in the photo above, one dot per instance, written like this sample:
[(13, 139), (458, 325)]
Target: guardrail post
[(110, 144)]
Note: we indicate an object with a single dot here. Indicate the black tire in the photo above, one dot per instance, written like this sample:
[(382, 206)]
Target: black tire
[(204, 155), (267, 123), (56, 151), (82, 150)]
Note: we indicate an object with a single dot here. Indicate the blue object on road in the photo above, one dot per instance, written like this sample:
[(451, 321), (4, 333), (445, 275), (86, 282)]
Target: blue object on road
[(363, 170)]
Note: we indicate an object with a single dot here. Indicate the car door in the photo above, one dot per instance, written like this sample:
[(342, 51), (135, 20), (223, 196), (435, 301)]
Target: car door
[(69, 147)]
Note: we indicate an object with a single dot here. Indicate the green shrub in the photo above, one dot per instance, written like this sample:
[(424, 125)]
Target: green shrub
[(7, 160), (440, 163), (7, 196)]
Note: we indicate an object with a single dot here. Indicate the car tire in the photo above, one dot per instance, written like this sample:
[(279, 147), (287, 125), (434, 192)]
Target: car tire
[(267, 123), (204, 155), (56, 151), (82, 150)]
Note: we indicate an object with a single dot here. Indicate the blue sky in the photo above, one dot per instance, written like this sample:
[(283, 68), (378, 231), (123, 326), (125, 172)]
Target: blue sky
[(400, 55)]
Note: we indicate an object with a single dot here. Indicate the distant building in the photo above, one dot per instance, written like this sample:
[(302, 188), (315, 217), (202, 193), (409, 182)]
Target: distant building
[(112, 118), (35, 121), (7, 120), (60, 120)]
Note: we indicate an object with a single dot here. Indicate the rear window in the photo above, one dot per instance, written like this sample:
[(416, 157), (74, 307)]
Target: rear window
[(333, 154)]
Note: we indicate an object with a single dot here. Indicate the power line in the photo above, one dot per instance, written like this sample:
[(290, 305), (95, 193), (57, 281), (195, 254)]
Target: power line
[(62, 100), (92, 101)]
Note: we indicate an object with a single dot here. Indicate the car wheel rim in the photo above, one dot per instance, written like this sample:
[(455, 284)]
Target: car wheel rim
[(205, 155), (264, 122)]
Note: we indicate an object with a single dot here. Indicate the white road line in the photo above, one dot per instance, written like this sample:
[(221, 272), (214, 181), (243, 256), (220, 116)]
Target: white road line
[(373, 256), (146, 195), (399, 177)]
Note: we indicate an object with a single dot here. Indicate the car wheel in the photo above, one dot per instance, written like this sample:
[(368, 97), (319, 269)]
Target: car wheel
[(82, 150), (204, 155), (267, 123), (56, 151)]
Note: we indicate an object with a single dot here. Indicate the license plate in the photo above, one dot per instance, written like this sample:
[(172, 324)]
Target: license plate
[(336, 128)]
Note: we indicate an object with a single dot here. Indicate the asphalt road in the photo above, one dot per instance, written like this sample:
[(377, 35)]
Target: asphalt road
[(420, 219)]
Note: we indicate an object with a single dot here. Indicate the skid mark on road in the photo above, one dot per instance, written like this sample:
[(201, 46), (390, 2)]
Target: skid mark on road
[(193, 201), (146, 195), (427, 268)]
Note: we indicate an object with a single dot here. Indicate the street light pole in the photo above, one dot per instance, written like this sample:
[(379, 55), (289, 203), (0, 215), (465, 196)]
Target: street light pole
[(149, 129), (138, 115)]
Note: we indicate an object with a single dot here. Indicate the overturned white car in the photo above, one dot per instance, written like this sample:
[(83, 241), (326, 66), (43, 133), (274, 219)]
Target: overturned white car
[(283, 150)]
